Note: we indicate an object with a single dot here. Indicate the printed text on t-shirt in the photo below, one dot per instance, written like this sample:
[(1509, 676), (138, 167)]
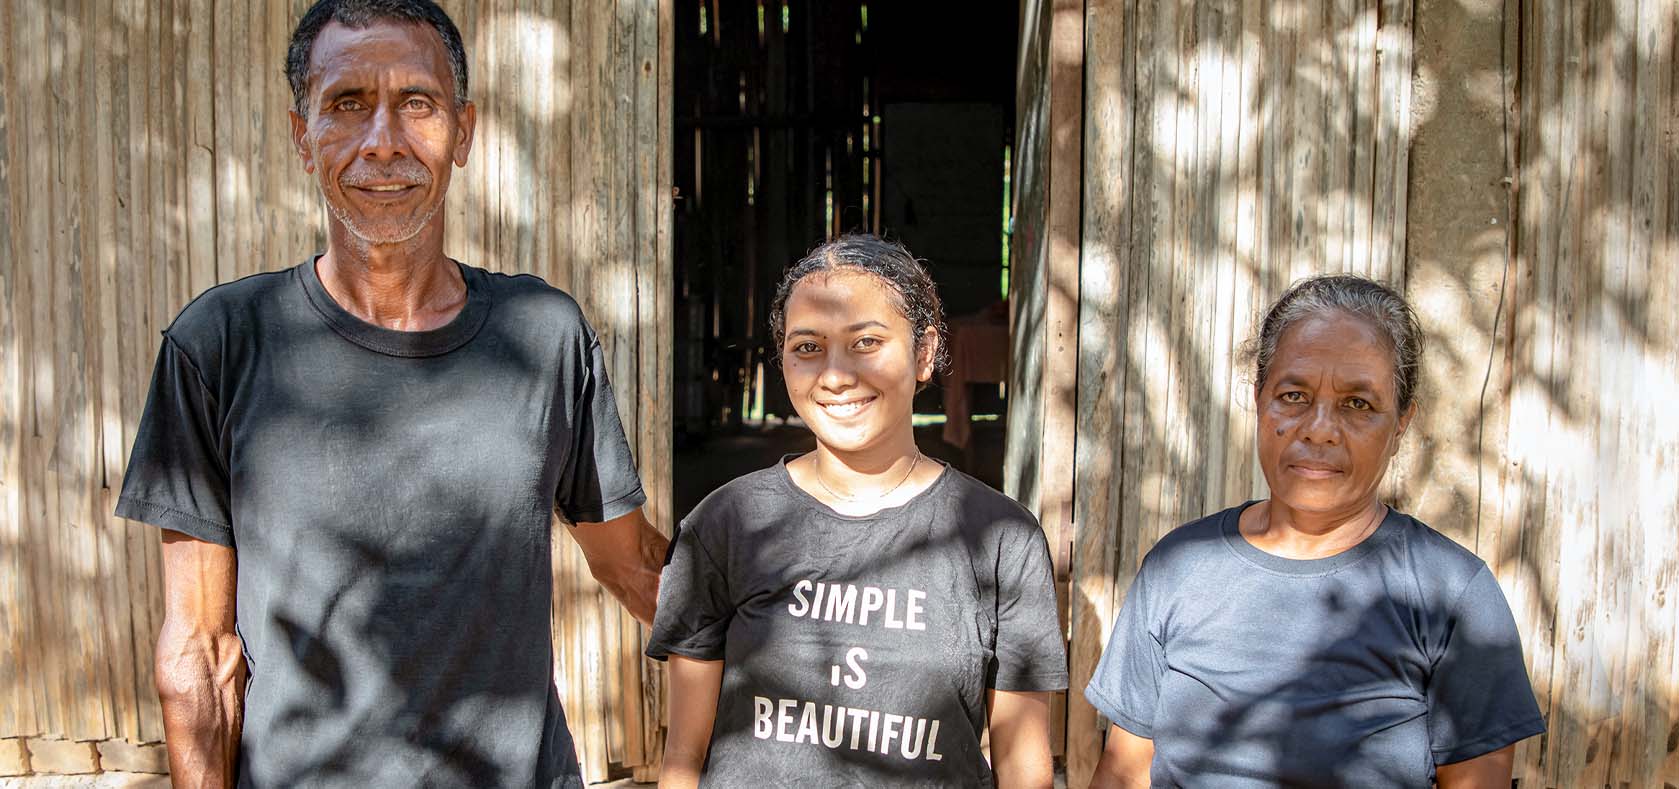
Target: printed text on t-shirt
[(826, 724)]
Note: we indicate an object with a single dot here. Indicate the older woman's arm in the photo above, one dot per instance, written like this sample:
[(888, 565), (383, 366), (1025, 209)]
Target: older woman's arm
[(1125, 761), (1019, 724), (1487, 771)]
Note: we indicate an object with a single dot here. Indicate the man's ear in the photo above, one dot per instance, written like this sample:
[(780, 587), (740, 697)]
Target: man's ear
[(299, 140), (467, 119)]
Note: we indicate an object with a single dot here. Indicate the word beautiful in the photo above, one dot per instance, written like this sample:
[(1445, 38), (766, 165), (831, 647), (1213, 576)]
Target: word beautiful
[(836, 726)]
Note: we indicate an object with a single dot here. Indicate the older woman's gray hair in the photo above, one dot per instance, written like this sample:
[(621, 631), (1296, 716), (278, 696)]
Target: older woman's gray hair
[(1372, 301)]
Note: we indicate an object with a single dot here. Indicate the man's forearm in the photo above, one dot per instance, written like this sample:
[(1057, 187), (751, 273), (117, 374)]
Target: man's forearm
[(626, 555), (636, 583), (201, 685)]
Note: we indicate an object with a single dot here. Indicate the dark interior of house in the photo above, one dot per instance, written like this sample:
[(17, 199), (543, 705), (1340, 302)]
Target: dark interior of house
[(797, 124)]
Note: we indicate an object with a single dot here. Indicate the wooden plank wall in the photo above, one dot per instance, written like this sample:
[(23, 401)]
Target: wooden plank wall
[(1588, 516), (1233, 147), (147, 157), (1044, 286)]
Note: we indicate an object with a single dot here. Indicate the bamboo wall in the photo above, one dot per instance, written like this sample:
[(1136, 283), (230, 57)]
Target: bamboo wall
[(1514, 167), (147, 157)]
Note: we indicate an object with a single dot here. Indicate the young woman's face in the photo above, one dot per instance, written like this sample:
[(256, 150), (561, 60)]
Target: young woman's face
[(851, 361)]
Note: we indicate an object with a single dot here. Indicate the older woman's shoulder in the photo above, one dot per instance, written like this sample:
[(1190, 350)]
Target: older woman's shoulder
[(1196, 540), (1432, 555)]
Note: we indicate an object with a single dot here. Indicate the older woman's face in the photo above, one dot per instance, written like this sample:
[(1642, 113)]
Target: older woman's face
[(1329, 416)]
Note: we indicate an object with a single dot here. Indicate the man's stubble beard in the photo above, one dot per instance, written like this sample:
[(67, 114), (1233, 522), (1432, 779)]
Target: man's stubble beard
[(368, 235), (373, 238)]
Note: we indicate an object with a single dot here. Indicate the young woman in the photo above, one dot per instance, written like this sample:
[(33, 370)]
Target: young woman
[(862, 614)]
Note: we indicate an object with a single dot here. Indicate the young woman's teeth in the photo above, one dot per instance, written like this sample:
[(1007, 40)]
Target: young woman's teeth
[(846, 409)]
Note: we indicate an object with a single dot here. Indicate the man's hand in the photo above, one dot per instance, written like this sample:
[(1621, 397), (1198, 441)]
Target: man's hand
[(200, 662), (625, 555)]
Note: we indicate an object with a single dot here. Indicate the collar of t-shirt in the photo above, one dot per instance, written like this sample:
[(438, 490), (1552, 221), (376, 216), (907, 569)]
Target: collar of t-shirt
[(432, 342)]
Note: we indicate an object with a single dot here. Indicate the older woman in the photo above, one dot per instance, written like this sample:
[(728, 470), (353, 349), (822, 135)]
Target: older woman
[(1318, 637)]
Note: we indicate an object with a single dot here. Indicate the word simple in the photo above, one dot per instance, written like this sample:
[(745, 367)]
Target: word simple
[(853, 604)]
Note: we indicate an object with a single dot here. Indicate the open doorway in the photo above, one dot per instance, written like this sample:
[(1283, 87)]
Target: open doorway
[(796, 122)]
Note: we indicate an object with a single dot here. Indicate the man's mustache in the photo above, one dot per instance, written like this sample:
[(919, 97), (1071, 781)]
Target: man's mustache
[(405, 171)]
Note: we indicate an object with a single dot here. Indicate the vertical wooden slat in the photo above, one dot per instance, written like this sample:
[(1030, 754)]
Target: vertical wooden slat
[(1538, 189), (1574, 759), (30, 49), (110, 183), (1029, 244), (13, 697), (1657, 162), (166, 224), (591, 22), (657, 452), (133, 344), (68, 460), (1102, 373)]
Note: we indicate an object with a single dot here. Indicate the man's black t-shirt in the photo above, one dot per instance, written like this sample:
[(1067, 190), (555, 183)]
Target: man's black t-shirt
[(389, 496), (858, 650)]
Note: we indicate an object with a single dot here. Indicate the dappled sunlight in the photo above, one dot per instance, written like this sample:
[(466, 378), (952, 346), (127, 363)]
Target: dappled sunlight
[(1532, 229)]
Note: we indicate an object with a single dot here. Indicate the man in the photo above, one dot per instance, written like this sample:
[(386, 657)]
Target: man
[(355, 462)]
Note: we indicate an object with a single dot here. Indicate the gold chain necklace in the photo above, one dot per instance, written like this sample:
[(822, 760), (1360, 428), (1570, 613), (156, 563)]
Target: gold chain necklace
[(817, 472)]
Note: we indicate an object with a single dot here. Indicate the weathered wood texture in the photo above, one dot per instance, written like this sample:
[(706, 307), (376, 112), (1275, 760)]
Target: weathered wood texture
[(1513, 167), (1043, 302), (147, 157)]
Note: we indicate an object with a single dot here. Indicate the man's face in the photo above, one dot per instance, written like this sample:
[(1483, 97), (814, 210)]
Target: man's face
[(382, 128)]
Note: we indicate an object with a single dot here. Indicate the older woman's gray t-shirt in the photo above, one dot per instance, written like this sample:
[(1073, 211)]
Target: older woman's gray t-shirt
[(858, 650), (1366, 668), (389, 497)]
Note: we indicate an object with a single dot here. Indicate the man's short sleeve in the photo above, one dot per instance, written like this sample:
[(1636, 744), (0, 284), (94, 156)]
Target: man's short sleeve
[(695, 605), (1126, 685), (1479, 697), (1030, 653), (598, 480), (177, 473)]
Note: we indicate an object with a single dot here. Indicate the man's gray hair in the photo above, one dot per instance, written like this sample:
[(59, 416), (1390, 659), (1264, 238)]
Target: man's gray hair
[(360, 14), (1381, 306)]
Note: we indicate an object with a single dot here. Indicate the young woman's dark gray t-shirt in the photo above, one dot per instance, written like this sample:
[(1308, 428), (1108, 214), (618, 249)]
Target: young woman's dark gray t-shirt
[(858, 650)]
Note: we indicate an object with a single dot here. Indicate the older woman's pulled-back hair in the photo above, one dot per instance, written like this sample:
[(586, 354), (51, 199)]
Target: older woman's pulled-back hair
[(1372, 301), (912, 288)]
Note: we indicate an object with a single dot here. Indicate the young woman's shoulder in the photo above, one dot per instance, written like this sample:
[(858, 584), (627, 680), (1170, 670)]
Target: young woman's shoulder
[(746, 499), (982, 507)]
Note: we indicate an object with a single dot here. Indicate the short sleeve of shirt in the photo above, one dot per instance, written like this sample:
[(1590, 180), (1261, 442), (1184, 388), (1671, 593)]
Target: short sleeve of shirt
[(1030, 655), (1126, 685), (598, 480), (1479, 697), (177, 473), (695, 605)]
